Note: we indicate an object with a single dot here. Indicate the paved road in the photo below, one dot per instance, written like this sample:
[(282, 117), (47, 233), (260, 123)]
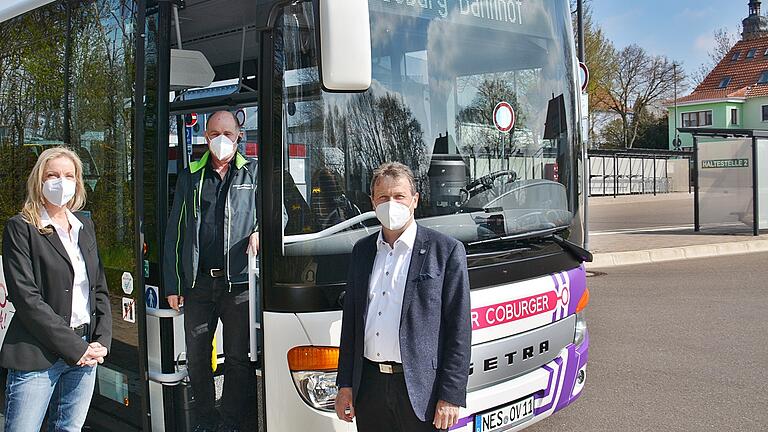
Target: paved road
[(678, 346), (640, 211)]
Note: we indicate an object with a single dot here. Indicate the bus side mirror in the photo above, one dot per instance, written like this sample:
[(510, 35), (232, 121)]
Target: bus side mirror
[(345, 45), (190, 69)]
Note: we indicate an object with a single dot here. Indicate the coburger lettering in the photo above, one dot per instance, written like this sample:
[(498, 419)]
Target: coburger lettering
[(502, 313)]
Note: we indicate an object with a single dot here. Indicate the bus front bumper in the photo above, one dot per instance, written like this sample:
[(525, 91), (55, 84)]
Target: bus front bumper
[(552, 387)]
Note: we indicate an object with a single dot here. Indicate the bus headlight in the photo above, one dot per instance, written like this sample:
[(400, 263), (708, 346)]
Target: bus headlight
[(581, 329), (314, 374), (318, 389)]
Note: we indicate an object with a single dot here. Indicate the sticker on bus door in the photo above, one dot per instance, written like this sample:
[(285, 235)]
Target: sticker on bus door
[(129, 310)]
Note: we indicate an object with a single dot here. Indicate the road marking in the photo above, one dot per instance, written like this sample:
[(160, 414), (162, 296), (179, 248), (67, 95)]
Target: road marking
[(660, 229), (637, 230)]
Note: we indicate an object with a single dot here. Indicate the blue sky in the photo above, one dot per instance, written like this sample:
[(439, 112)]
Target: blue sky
[(680, 29)]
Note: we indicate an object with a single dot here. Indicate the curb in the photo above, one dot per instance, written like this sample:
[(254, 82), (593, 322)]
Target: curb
[(615, 259)]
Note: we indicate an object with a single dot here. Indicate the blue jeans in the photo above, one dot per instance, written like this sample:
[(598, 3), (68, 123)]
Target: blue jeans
[(68, 389)]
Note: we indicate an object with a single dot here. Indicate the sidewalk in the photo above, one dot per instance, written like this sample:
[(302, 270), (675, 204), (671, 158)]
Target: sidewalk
[(641, 229)]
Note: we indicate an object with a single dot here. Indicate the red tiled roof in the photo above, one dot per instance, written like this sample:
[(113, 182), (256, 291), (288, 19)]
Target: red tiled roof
[(744, 74)]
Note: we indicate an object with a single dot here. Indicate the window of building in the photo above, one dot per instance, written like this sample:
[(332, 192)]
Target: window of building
[(735, 56), (765, 113), (724, 82), (697, 118), (765, 54), (734, 116), (763, 77), (751, 53)]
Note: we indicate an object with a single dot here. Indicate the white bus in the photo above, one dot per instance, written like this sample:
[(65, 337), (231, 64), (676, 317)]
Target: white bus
[(479, 97)]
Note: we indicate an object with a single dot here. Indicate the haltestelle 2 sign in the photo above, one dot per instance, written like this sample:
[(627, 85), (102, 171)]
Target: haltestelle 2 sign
[(725, 163), (518, 309)]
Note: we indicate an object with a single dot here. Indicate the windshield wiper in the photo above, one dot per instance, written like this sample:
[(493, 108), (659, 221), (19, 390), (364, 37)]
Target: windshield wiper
[(575, 250), (578, 252), (333, 229)]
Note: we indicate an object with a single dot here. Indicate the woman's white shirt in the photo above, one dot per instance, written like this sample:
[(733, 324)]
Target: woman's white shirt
[(81, 311)]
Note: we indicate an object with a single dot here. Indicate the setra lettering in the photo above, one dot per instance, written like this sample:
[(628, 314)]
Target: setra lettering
[(492, 363), (527, 353)]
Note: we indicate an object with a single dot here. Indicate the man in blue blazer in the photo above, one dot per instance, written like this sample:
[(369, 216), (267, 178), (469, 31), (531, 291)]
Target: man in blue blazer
[(406, 330)]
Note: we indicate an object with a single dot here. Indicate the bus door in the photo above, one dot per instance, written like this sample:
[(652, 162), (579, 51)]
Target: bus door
[(217, 41), (166, 349)]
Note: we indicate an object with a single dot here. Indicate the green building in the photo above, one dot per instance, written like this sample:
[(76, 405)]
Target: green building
[(735, 94)]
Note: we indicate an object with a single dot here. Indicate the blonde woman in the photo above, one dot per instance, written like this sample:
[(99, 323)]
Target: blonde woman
[(62, 327)]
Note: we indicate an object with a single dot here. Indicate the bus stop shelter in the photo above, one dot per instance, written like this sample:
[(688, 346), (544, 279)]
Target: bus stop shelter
[(730, 173)]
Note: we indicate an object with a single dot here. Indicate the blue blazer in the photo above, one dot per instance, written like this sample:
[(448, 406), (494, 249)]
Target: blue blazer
[(435, 326)]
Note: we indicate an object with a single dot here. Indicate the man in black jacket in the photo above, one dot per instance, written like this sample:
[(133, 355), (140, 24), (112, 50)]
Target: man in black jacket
[(212, 227), (405, 336)]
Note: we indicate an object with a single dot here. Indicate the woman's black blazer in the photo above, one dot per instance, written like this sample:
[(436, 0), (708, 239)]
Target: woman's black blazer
[(39, 277)]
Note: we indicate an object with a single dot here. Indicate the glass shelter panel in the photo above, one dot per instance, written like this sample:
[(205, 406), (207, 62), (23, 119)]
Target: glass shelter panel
[(762, 182), (725, 182)]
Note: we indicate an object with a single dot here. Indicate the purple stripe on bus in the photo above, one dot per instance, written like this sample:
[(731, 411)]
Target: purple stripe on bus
[(577, 287), (557, 283), (549, 383), (579, 357), (463, 422), (570, 378), (557, 290), (552, 387)]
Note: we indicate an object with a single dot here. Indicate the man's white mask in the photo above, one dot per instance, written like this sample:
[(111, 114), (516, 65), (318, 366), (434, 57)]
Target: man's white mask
[(222, 147), (393, 215)]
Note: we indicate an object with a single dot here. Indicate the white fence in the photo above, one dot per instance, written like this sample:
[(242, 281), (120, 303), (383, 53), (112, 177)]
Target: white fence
[(625, 175)]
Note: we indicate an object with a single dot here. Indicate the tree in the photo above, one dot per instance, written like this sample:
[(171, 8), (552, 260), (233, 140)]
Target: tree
[(638, 82), (653, 132), (383, 128), (478, 116), (724, 41), (600, 57), (99, 80)]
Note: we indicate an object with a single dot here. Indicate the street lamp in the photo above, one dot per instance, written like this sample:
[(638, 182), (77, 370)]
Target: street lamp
[(676, 140)]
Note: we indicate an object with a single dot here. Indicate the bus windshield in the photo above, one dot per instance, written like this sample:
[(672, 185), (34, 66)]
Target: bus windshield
[(477, 97)]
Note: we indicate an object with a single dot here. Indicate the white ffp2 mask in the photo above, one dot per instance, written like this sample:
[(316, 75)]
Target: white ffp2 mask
[(59, 191), (393, 215), (222, 147)]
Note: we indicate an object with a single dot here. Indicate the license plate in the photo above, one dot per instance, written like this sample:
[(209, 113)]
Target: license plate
[(505, 417)]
